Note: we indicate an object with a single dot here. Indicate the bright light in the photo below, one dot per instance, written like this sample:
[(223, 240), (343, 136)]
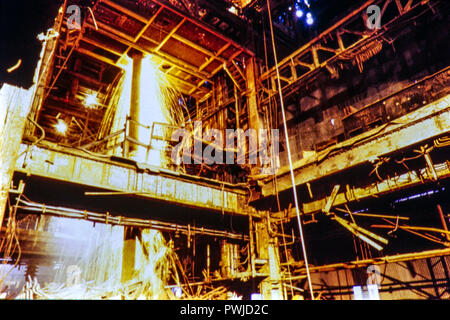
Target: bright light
[(91, 100), (309, 19), (299, 13), (233, 10), (152, 108), (61, 127)]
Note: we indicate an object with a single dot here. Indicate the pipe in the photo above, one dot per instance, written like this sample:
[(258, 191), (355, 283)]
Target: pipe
[(430, 165), (208, 260), (135, 99), (444, 223), (123, 221), (369, 215), (251, 244)]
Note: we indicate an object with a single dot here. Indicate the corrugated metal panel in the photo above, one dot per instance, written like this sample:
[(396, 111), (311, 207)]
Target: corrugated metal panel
[(399, 280)]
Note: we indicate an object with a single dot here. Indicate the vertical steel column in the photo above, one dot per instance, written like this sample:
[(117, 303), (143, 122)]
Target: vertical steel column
[(254, 118), (252, 99), (135, 99)]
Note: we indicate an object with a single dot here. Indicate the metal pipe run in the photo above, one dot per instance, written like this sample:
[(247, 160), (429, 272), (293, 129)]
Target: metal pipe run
[(444, 223), (125, 221)]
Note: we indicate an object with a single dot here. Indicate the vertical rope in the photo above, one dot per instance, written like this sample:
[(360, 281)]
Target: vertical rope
[(289, 153)]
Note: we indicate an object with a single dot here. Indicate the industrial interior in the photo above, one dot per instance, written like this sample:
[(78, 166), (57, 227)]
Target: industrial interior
[(346, 196)]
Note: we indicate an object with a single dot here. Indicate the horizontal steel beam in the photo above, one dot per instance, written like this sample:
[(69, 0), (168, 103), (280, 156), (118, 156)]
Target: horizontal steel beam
[(310, 51), (76, 169), (415, 127), (393, 184)]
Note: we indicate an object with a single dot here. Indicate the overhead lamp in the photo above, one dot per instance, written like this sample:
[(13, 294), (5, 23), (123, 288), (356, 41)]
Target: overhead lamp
[(91, 100), (299, 13), (61, 127), (309, 19), (233, 10)]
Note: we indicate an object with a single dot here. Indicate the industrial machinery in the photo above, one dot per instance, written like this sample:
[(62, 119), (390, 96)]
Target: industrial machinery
[(230, 150)]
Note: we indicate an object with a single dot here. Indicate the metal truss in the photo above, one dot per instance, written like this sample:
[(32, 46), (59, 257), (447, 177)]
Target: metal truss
[(355, 38)]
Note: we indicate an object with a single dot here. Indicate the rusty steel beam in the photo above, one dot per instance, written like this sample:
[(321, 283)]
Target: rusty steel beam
[(101, 46), (319, 43), (211, 59), (128, 41), (175, 36), (393, 184), (197, 23), (150, 21), (171, 33), (176, 79), (177, 64), (72, 167), (417, 126), (96, 56), (382, 260)]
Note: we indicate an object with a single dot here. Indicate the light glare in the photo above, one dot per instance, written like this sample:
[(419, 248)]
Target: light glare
[(61, 127), (91, 101)]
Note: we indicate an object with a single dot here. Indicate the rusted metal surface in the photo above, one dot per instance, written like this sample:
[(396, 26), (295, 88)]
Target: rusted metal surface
[(407, 180), (444, 223), (14, 108), (348, 40), (66, 166), (46, 210), (172, 37), (425, 123), (421, 275)]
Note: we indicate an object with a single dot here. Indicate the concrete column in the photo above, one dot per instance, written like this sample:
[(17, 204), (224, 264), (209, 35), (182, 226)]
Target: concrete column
[(129, 254), (135, 99), (15, 106)]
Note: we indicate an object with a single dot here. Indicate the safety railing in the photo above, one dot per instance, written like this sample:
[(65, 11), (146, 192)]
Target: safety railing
[(122, 140)]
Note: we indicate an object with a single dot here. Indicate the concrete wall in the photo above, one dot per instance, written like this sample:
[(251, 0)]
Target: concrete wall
[(14, 108)]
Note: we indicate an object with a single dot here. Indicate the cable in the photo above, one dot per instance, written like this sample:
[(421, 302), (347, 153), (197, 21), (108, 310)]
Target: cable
[(289, 152), (93, 18)]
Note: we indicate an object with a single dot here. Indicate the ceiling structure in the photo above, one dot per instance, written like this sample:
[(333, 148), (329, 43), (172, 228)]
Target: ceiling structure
[(187, 51)]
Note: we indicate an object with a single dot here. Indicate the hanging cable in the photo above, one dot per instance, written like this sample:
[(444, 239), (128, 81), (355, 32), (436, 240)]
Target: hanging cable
[(289, 152)]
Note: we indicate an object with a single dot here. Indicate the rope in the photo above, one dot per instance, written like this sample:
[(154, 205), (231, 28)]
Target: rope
[(289, 152)]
